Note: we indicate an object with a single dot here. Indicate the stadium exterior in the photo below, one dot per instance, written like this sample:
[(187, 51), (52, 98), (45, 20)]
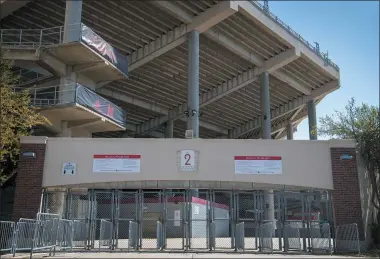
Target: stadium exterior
[(167, 121)]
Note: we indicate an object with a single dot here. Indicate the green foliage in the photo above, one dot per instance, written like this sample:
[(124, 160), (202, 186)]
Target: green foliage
[(16, 118), (361, 123)]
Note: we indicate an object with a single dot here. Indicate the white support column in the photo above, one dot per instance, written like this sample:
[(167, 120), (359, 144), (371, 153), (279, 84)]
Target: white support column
[(65, 131), (265, 106), (56, 201), (193, 87), (289, 131), (266, 134), (312, 117), (269, 207), (193, 83), (169, 129), (73, 20), (66, 91)]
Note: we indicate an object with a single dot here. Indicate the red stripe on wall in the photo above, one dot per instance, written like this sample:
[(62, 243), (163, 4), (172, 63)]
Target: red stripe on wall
[(258, 158), (117, 156)]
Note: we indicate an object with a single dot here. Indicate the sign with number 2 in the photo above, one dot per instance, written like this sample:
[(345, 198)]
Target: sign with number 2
[(187, 160)]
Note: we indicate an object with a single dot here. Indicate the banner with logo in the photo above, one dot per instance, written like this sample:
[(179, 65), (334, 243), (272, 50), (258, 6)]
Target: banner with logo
[(97, 103), (94, 41)]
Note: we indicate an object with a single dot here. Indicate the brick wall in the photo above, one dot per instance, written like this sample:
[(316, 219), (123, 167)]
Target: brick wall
[(29, 182), (346, 194)]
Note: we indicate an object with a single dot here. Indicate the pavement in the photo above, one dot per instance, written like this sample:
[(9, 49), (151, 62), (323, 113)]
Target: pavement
[(92, 255)]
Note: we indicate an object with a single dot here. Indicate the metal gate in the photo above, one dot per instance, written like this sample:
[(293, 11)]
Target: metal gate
[(250, 211), (103, 206), (127, 207), (151, 211), (175, 220), (182, 220)]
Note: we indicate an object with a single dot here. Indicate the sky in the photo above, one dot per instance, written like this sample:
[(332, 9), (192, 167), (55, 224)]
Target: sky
[(349, 31)]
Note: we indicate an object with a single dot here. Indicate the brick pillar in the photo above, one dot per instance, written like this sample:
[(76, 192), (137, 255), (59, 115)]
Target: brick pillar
[(346, 193), (29, 182)]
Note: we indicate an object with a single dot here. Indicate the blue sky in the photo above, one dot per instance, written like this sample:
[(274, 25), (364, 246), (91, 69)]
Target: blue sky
[(349, 30)]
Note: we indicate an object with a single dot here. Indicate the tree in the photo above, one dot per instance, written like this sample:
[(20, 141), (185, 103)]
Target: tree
[(361, 123), (17, 118)]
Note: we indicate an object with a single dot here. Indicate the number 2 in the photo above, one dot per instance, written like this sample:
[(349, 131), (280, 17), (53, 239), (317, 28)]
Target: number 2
[(187, 157)]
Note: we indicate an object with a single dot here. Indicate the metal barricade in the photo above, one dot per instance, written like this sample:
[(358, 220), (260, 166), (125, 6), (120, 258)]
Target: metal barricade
[(239, 236), (65, 234), (7, 229), (292, 237), (105, 234), (23, 237), (212, 237), (80, 234), (347, 238), (45, 233), (320, 236), (133, 235), (160, 236), (266, 237)]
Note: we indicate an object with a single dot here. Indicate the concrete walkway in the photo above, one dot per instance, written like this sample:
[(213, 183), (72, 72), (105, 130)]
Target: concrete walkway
[(91, 255)]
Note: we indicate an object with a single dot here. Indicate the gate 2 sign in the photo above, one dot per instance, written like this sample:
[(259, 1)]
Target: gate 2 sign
[(188, 161)]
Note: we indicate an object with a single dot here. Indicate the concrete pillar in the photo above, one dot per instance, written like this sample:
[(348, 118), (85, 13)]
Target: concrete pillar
[(65, 131), (265, 106), (66, 92), (289, 131), (56, 199), (269, 206), (312, 117), (73, 20), (266, 134), (169, 129), (193, 83)]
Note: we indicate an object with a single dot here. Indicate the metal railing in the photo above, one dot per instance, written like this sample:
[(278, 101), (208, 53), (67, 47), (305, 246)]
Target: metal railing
[(47, 96), (45, 233), (23, 237), (293, 33), (347, 238), (37, 37), (105, 235), (7, 229)]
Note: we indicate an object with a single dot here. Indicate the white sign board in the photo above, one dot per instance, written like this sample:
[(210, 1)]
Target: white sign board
[(258, 165), (177, 218), (69, 168), (116, 163), (187, 161)]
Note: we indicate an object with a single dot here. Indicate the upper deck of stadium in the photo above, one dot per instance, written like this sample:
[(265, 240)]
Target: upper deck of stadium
[(238, 41)]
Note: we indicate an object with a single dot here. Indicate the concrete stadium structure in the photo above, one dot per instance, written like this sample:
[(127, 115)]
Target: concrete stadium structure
[(220, 70)]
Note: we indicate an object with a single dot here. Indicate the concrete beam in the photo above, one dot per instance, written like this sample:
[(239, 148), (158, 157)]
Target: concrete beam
[(176, 11), (86, 66), (30, 65), (255, 13), (282, 59), (236, 47), (45, 60), (178, 36), (293, 83), (279, 60), (154, 107), (9, 6), (83, 123), (286, 108), (231, 85), (213, 16)]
